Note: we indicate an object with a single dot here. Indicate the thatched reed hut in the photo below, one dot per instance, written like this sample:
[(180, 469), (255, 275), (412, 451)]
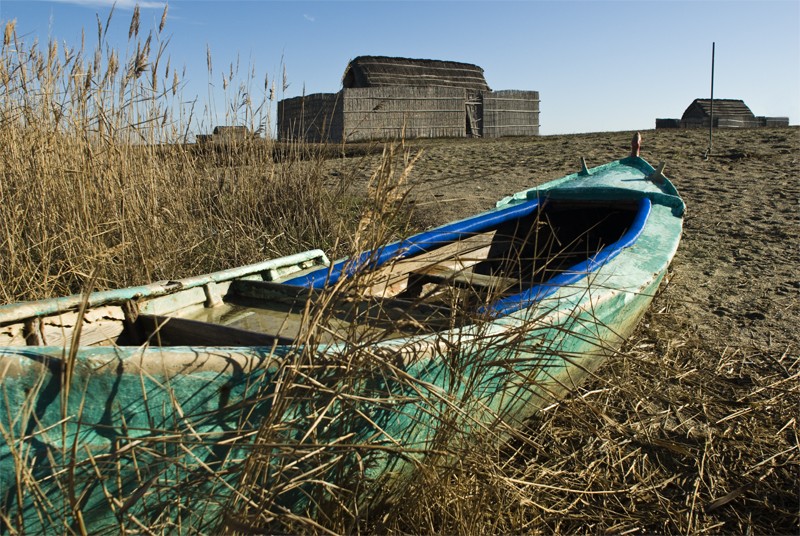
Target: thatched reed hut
[(725, 113), (391, 98)]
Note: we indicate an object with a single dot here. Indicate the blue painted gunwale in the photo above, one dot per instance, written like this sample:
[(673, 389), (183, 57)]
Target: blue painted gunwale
[(459, 230), (414, 245)]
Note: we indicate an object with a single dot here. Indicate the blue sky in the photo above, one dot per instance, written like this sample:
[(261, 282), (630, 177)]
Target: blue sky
[(598, 65)]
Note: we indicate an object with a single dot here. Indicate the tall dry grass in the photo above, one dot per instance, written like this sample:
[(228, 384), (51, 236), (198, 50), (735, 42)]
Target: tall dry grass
[(97, 177)]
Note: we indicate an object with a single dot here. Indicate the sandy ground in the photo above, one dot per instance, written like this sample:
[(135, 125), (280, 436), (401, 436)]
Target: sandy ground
[(735, 279)]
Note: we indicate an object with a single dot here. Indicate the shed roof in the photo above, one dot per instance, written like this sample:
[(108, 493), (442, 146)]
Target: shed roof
[(377, 71), (722, 107)]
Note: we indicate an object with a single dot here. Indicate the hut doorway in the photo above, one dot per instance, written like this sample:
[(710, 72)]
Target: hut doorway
[(474, 109)]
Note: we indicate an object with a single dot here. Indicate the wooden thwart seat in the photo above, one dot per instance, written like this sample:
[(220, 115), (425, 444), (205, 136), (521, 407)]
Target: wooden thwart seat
[(462, 278), (392, 279)]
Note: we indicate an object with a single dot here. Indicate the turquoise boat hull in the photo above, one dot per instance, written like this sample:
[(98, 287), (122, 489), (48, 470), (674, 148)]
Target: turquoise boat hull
[(189, 437)]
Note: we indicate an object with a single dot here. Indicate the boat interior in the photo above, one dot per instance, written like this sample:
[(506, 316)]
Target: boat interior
[(444, 286)]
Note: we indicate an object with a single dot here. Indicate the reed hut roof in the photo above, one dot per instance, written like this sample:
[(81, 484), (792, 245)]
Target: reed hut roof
[(722, 107), (378, 71)]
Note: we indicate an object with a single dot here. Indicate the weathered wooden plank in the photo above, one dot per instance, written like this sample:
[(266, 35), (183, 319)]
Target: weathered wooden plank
[(12, 335), (463, 278), (176, 331), (103, 331), (174, 302), (101, 325), (268, 291), (392, 279)]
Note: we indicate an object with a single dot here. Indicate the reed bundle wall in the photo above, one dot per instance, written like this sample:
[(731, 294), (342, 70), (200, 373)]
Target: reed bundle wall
[(381, 113), (773, 121), (403, 112), (721, 122), (510, 113), (315, 118), (733, 122)]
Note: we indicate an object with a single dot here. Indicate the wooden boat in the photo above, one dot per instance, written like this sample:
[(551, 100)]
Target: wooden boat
[(286, 386)]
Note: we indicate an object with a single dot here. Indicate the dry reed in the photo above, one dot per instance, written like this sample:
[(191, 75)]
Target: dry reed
[(97, 176)]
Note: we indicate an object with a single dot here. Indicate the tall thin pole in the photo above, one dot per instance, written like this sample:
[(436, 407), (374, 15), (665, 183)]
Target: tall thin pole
[(711, 122)]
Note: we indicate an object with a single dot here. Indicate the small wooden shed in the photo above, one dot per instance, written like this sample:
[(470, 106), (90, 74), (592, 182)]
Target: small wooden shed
[(727, 113), (390, 98)]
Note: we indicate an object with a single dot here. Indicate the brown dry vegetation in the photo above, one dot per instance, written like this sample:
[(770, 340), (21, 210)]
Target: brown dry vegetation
[(97, 183), (691, 428)]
